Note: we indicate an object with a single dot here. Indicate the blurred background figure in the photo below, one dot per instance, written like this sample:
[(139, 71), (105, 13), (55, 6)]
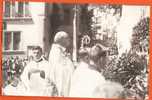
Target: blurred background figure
[(12, 67)]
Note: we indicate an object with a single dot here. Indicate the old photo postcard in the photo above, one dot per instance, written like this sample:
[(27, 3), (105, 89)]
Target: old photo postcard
[(75, 50)]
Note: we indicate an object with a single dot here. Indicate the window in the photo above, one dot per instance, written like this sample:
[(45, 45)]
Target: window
[(20, 9), (7, 9), (11, 40), (16, 9), (27, 13)]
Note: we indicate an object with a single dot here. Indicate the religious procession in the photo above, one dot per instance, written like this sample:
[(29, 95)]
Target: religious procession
[(75, 50)]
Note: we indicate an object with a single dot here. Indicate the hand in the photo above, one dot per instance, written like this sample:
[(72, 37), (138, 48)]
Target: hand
[(15, 82)]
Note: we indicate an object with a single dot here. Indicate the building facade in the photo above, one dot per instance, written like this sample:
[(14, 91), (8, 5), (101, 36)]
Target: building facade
[(23, 26)]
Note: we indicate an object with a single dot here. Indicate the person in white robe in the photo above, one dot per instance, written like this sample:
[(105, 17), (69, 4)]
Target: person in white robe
[(88, 81), (32, 80), (87, 78), (61, 66), (34, 74)]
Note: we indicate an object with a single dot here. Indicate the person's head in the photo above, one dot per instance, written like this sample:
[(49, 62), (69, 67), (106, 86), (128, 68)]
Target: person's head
[(37, 52), (84, 55), (98, 55), (62, 38)]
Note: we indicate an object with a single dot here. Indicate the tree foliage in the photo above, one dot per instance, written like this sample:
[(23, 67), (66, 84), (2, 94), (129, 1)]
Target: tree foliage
[(140, 37), (131, 68)]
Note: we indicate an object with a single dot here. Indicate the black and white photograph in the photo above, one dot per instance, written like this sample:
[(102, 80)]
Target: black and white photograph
[(75, 50)]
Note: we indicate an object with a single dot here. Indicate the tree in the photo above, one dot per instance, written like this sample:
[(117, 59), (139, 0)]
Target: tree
[(140, 37), (131, 68), (97, 26)]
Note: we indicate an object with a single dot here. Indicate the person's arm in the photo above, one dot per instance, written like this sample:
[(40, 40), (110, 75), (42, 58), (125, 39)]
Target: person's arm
[(55, 60), (50, 89), (25, 77)]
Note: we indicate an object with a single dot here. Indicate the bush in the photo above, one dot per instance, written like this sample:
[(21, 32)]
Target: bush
[(130, 70)]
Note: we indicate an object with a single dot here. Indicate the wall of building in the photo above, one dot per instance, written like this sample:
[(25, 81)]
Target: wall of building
[(31, 34), (57, 19)]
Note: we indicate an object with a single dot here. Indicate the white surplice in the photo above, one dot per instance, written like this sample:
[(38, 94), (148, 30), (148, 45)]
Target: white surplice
[(35, 85)]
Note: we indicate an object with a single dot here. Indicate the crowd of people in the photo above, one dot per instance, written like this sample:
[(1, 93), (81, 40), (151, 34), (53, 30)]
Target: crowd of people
[(59, 76), (12, 67)]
